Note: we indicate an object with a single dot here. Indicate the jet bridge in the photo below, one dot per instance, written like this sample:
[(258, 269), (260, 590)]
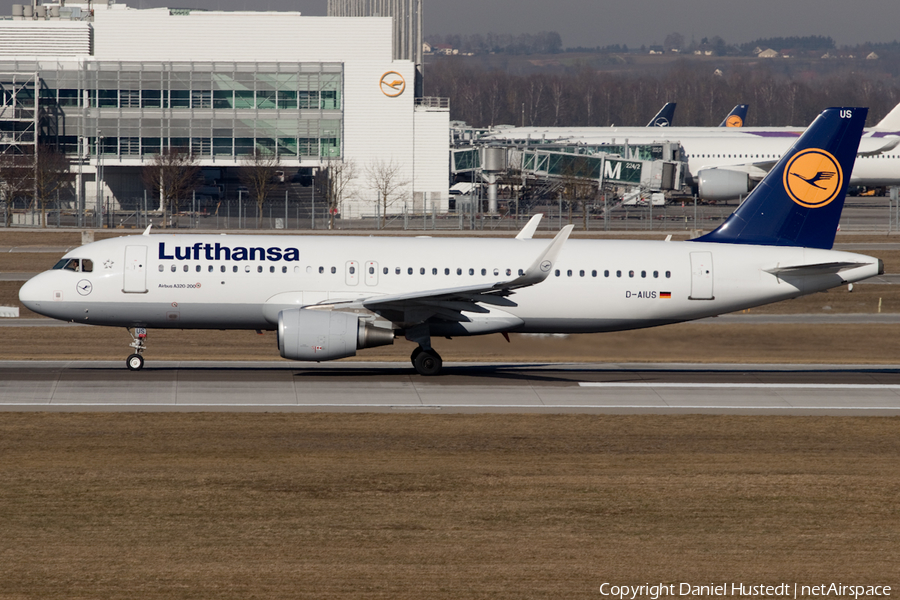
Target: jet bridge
[(646, 169)]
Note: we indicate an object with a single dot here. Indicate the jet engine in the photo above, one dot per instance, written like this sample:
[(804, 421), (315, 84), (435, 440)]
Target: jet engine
[(317, 335), (722, 184)]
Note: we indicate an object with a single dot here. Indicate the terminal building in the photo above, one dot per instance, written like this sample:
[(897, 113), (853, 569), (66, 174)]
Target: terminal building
[(112, 86)]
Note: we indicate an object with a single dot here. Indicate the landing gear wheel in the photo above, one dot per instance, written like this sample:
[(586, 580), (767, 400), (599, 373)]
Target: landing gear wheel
[(427, 362), (135, 362), (415, 353)]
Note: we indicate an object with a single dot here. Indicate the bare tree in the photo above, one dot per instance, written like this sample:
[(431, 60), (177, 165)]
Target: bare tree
[(51, 174), (338, 176), (385, 180), (16, 178), (259, 173), (171, 175), (674, 41)]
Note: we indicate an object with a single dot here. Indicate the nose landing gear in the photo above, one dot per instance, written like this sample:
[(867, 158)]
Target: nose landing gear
[(135, 362)]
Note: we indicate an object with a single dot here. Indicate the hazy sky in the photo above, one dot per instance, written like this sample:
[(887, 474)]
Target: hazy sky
[(632, 22)]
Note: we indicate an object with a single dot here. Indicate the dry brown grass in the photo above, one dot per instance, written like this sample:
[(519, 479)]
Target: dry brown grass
[(385, 506)]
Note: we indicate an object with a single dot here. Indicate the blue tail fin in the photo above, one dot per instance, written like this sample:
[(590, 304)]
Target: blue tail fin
[(799, 202), (664, 117), (736, 117)]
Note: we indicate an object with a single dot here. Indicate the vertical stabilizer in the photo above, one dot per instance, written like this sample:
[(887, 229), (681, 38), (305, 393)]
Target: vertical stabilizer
[(799, 202), (664, 117), (891, 121), (737, 117)]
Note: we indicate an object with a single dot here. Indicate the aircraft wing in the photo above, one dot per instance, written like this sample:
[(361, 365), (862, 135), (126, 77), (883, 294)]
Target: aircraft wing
[(449, 303)]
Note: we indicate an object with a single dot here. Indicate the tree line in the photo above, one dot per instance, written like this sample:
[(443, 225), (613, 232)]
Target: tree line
[(585, 97)]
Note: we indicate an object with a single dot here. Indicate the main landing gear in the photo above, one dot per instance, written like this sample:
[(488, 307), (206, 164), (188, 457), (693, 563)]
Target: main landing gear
[(426, 361), (135, 362)]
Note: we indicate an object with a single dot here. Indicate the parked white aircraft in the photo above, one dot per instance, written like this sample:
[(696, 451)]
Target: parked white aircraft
[(726, 163), (328, 297)]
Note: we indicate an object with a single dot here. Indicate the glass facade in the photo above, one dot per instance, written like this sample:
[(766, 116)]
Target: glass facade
[(217, 110)]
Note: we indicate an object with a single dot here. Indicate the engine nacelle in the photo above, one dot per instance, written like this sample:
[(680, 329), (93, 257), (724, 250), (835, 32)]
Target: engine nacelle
[(722, 184), (318, 335)]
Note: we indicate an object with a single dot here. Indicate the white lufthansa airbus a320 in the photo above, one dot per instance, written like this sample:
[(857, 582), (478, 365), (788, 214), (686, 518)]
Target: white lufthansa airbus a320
[(328, 297)]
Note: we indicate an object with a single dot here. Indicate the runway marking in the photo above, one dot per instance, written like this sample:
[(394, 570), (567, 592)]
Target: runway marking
[(790, 386)]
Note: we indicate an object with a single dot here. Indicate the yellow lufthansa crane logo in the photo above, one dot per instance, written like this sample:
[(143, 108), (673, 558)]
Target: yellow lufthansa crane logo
[(813, 178), (392, 84), (734, 121)]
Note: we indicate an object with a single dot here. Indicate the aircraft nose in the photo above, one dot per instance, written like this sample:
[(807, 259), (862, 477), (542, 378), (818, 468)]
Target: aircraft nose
[(34, 293)]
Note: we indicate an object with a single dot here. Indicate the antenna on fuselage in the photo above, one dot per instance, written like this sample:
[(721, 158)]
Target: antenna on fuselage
[(147, 231)]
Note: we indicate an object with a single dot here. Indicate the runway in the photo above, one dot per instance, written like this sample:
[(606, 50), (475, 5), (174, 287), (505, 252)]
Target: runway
[(465, 388)]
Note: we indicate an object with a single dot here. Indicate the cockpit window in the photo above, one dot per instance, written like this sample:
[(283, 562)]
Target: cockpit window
[(78, 265)]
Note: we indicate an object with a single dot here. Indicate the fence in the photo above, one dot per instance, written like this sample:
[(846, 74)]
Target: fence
[(864, 214)]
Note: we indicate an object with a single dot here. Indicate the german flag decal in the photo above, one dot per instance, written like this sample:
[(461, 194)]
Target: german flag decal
[(665, 295)]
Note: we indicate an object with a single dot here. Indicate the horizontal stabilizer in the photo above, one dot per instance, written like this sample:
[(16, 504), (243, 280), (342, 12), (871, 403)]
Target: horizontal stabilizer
[(880, 150), (817, 269)]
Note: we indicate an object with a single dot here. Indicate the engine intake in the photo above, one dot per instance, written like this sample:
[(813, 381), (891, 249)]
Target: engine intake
[(316, 335), (722, 184)]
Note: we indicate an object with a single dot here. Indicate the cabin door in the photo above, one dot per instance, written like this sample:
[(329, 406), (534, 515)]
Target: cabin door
[(135, 270), (701, 276)]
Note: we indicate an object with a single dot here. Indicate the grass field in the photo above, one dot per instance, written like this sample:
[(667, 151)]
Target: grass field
[(384, 506)]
